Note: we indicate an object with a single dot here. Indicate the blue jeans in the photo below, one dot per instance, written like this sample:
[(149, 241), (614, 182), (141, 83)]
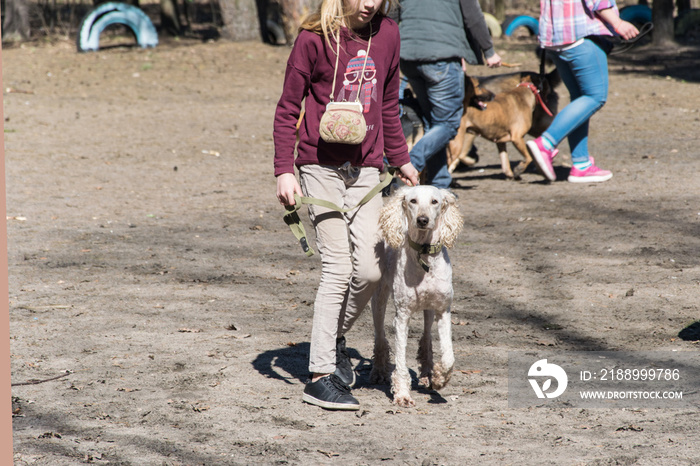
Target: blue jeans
[(439, 89), (584, 70)]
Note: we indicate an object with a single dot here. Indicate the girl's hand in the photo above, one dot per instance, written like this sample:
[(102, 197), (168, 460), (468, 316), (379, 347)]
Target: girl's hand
[(626, 30), (287, 186), (408, 174)]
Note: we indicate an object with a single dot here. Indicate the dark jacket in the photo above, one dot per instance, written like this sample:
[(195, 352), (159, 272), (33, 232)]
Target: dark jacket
[(433, 30)]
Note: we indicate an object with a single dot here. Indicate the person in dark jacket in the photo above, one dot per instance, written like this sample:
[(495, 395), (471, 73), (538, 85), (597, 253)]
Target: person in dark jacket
[(434, 51)]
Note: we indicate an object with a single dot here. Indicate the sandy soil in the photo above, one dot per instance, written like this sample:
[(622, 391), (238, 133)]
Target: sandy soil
[(148, 257)]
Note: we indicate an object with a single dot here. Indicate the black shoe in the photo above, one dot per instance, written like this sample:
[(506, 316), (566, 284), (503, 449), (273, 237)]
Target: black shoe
[(343, 365), (330, 393)]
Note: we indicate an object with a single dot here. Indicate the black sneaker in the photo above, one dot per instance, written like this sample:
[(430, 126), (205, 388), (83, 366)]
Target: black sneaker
[(343, 365), (330, 393)]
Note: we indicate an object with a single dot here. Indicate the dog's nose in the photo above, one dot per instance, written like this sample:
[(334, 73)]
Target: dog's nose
[(422, 221)]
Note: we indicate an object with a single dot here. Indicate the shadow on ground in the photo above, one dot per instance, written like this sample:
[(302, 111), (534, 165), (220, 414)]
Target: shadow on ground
[(691, 332)]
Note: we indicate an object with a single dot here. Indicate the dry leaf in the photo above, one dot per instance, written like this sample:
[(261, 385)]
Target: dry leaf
[(12, 90), (328, 453), (629, 427)]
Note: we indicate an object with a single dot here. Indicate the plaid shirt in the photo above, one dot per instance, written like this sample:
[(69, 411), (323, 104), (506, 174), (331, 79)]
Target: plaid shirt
[(564, 22)]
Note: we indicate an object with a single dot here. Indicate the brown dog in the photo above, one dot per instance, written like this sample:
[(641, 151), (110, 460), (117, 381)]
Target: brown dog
[(504, 108)]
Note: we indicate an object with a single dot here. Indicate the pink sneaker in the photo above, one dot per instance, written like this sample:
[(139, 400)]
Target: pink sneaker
[(591, 174), (543, 157)]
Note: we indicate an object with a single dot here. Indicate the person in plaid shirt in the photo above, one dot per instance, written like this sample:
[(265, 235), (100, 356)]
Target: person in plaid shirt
[(570, 31)]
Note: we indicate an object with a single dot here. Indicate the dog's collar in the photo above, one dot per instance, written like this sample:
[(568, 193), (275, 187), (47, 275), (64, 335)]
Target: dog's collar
[(424, 249), (538, 96)]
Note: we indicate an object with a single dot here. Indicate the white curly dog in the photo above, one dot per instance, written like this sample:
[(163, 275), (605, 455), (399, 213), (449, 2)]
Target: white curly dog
[(418, 225)]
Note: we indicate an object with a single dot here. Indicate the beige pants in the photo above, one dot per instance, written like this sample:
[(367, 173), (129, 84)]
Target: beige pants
[(347, 245)]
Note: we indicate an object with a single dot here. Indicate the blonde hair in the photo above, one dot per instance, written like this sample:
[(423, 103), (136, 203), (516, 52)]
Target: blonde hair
[(329, 17)]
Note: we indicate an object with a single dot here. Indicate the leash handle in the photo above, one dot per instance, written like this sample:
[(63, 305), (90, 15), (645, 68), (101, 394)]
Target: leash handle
[(625, 44), (291, 217)]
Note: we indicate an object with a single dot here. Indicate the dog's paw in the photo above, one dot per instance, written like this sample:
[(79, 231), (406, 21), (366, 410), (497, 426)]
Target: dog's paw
[(519, 170), (440, 377), (405, 401), (424, 381), (438, 382)]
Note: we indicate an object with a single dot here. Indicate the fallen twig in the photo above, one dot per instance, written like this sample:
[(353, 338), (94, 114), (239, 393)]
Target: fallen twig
[(35, 382)]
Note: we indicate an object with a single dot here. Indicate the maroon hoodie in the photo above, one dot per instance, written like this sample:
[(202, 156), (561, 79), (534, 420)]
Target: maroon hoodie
[(309, 76)]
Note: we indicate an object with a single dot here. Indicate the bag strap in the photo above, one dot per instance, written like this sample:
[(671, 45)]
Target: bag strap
[(291, 217), (337, 57), (335, 73)]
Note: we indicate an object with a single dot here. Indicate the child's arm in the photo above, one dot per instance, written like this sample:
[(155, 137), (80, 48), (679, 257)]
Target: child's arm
[(395, 147), (623, 28), (296, 86), (288, 111)]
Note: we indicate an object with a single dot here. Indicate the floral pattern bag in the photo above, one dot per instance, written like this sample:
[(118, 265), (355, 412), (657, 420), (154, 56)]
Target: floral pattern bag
[(344, 122)]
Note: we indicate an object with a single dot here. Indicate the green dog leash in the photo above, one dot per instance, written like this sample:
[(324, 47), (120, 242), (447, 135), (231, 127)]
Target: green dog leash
[(291, 217)]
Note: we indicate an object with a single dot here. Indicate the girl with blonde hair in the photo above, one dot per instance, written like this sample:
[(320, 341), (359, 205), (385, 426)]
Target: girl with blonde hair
[(348, 50)]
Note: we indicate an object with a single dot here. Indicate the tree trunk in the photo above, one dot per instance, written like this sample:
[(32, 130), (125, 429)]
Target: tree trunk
[(293, 13), (241, 20), (170, 17), (662, 16), (500, 10), (683, 5), (16, 25)]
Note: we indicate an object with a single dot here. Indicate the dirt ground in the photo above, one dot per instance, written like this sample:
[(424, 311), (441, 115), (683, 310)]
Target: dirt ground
[(148, 258)]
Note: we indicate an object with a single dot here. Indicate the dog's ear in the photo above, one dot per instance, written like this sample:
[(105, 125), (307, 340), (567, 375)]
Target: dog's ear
[(470, 86), (550, 95), (392, 219), (451, 221), (553, 78)]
